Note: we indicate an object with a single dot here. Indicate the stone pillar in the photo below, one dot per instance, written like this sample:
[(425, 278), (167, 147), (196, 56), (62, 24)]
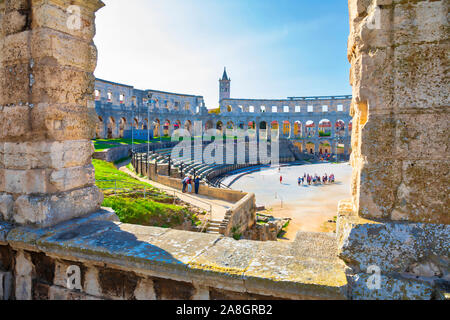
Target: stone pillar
[(257, 124), (399, 58), (47, 112), (292, 130)]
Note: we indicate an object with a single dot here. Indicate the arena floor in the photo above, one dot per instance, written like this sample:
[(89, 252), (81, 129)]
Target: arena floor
[(309, 207)]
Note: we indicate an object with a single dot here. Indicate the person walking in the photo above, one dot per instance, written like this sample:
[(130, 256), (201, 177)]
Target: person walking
[(197, 184), (184, 184), (281, 179), (189, 184)]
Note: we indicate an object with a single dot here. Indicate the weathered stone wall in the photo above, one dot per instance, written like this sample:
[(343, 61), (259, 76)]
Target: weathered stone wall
[(46, 112), (121, 261), (401, 109), (241, 217), (398, 222)]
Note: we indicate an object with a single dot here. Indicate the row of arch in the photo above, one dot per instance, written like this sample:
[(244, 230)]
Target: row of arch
[(286, 108), (112, 128)]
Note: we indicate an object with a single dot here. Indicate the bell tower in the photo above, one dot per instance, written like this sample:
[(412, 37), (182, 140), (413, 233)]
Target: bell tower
[(224, 87)]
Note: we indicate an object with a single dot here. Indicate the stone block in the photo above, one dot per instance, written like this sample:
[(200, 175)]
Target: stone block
[(49, 210), (396, 248), (390, 289), (27, 181), (420, 81), (423, 136), (23, 274), (13, 5), (15, 21), (44, 154), (423, 21), (6, 283), (54, 15), (145, 290), (71, 178), (379, 181), (15, 48), (6, 207), (422, 195), (63, 122), (14, 122), (15, 84), (61, 49), (378, 135), (56, 84)]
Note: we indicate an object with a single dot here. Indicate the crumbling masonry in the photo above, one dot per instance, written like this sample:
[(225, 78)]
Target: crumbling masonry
[(396, 224)]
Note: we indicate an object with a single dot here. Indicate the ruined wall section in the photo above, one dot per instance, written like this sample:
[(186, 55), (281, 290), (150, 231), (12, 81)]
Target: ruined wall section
[(399, 55), (47, 114), (397, 223)]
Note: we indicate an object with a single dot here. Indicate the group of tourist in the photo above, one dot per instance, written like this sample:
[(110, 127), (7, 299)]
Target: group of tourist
[(188, 181), (315, 179)]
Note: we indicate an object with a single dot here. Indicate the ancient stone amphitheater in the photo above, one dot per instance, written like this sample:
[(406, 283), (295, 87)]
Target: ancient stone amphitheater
[(392, 237)]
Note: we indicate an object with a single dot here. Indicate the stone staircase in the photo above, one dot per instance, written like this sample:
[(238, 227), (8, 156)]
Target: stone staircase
[(213, 226)]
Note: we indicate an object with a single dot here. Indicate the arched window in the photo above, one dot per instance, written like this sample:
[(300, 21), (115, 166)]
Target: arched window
[(251, 109), (286, 109), (122, 98), (340, 108), (97, 94), (109, 95), (297, 109), (324, 108), (274, 109), (263, 108), (310, 109)]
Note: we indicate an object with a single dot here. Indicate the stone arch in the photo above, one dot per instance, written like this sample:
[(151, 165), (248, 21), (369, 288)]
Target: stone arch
[(111, 127), (339, 128), (167, 130), (325, 147), (310, 127), (145, 124), (286, 129), (99, 128), (156, 125), (122, 126), (135, 123), (298, 129), (310, 147), (325, 127)]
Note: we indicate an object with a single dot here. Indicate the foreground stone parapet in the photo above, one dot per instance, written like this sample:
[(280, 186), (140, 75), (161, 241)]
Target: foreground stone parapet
[(47, 117), (149, 263), (411, 259)]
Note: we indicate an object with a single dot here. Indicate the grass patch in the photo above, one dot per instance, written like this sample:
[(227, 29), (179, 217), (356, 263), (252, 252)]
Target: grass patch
[(107, 171), (149, 213), (157, 209)]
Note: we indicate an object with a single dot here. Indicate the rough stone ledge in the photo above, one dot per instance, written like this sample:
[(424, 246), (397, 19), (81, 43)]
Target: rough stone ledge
[(282, 270), (411, 257)]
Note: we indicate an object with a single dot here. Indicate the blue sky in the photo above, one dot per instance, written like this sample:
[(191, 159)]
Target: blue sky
[(272, 49)]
